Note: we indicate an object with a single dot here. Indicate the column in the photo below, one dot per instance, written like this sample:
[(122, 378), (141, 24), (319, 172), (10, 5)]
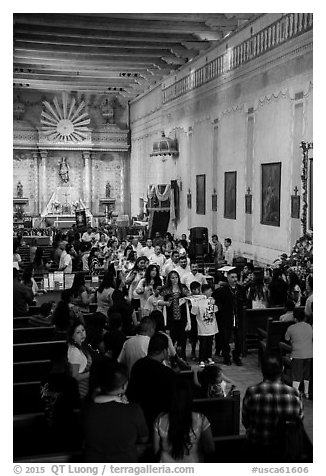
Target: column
[(249, 176), (87, 178), (214, 178), (42, 181), (191, 184), (36, 208)]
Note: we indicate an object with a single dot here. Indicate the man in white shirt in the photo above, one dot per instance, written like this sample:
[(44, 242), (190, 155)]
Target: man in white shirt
[(65, 263), (188, 278), (147, 250), (158, 258), (88, 235), (172, 263), (229, 251), (136, 246), (136, 347), (183, 267)]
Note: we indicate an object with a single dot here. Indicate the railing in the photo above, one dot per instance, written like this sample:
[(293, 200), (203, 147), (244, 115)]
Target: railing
[(282, 30)]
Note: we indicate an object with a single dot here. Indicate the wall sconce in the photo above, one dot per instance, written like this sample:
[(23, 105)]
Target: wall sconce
[(189, 198), (214, 201), (248, 202), (295, 204)]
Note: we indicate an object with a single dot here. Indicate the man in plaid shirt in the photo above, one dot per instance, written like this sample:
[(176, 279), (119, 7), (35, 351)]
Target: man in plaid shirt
[(264, 406)]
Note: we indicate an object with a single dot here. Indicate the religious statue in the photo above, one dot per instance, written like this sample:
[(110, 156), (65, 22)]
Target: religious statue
[(108, 190), (19, 189), (64, 170)]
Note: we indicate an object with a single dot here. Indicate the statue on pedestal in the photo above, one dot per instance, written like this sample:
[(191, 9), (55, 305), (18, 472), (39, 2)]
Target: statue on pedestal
[(108, 190), (64, 170), (19, 189)]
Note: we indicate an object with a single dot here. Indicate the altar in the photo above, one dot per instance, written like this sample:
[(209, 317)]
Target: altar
[(61, 209)]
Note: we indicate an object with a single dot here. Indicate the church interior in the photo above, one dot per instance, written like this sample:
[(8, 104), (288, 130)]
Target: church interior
[(192, 124)]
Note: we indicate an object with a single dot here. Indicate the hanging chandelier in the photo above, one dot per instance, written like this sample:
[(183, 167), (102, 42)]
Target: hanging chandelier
[(165, 146)]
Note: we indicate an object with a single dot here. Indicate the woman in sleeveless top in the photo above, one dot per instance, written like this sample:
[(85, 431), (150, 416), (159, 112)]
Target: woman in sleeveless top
[(79, 358), (181, 435)]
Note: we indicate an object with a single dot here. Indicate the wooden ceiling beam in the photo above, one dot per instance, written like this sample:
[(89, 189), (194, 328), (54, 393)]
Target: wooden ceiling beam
[(115, 24), (90, 33)]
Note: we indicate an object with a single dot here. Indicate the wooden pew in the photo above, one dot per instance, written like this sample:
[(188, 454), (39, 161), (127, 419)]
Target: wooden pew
[(31, 371), (22, 321), (252, 319), (271, 338), (27, 397), (33, 334), (222, 413), (32, 435), (35, 351)]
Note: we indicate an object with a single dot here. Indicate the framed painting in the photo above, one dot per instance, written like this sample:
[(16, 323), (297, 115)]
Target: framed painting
[(295, 206), (230, 195), (270, 193), (201, 194)]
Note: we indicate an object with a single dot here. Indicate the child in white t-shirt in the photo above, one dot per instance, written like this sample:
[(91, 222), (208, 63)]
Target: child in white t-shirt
[(204, 308)]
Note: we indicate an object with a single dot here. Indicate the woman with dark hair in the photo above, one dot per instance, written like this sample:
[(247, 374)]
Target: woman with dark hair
[(94, 262), (181, 435), (148, 284), (28, 279), (104, 293), (133, 278), (178, 317), (81, 295), (41, 265), (65, 313), (123, 307), (79, 357), (295, 293), (257, 293), (277, 289)]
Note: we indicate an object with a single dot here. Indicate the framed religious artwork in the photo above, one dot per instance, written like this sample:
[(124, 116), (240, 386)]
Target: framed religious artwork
[(201, 194), (230, 195), (295, 206), (270, 193)]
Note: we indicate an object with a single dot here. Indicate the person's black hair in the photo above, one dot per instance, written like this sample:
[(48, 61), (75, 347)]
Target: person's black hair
[(71, 330), (228, 240), (205, 287), (158, 318), (250, 266), (38, 258), (208, 376), (168, 279), (194, 285), (180, 420), (78, 284), (157, 344), (61, 317), (174, 252), (45, 308), (146, 325), (215, 236), (271, 366), (107, 281), (299, 314), (27, 274), (91, 255), (157, 279), (107, 375), (115, 321)]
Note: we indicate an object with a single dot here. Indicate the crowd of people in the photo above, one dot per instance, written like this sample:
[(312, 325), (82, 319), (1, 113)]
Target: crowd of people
[(152, 301)]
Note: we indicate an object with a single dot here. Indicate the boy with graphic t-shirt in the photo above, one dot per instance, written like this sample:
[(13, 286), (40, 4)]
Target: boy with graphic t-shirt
[(204, 307)]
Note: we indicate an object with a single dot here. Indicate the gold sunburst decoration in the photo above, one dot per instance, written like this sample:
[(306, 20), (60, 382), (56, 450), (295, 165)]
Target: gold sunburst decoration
[(65, 122)]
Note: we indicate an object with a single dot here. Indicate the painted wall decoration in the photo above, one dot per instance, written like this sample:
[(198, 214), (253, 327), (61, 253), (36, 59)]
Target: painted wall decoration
[(270, 193), (201, 194), (230, 195)]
